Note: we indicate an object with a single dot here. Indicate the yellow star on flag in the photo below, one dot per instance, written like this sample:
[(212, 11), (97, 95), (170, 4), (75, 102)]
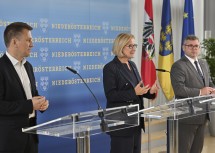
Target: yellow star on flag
[(185, 15)]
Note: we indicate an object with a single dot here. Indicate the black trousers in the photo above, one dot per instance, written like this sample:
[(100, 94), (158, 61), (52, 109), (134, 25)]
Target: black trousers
[(32, 142), (126, 144), (32, 146)]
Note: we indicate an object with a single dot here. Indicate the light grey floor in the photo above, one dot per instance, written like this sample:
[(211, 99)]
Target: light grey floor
[(209, 146)]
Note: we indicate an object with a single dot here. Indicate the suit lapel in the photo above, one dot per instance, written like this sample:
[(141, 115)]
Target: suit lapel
[(193, 69), (13, 72), (12, 69), (123, 71), (205, 72), (135, 71), (30, 76)]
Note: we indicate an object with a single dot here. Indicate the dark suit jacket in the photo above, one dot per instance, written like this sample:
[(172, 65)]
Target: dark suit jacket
[(119, 89), (14, 106), (186, 82)]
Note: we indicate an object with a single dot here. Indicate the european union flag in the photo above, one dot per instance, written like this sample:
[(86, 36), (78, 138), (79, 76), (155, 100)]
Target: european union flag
[(188, 22), (166, 57)]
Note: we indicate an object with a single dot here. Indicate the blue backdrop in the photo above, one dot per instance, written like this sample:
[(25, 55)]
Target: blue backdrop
[(76, 33)]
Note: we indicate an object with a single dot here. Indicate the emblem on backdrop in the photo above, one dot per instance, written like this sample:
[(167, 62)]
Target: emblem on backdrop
[(44, 54), (77, 39), (44, 24), (105, 52), (77, 65), (44, 83), (105, 27)]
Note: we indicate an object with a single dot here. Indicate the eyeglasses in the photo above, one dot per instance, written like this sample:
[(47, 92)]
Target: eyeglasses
[(193, 46), (131, 46)]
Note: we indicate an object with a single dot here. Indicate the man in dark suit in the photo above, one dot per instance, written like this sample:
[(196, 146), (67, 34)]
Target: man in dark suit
[(190, 77), (19, 98), (123, 86)]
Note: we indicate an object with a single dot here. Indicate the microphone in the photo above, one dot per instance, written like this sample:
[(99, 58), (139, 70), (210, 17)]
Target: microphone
[(75, 72), (72, 70), (162, 70), (103, 124)]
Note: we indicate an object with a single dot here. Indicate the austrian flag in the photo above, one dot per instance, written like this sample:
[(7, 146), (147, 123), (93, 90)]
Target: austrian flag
[(148, 72)]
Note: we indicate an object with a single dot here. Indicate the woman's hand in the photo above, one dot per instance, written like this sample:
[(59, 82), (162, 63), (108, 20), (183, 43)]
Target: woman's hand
[(140, 89), (154, 88)]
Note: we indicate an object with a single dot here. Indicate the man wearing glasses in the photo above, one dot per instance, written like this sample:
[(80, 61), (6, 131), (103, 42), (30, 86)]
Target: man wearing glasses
[(190, 77)]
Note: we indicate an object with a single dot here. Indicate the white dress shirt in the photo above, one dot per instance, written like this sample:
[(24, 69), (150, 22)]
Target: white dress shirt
[(192, 61), (21, 71)]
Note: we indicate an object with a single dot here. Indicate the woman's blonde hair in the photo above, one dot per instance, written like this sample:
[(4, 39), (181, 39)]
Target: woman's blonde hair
[(120, 42)]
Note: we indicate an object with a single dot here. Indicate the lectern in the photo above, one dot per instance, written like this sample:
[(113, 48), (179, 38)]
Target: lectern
[(81, 126), (176, 110)]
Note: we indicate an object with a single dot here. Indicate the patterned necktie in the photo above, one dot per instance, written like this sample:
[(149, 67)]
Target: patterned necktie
[(198, 70)]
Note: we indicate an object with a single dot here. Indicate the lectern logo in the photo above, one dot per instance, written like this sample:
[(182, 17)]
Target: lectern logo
[(44, 24), (44, 54), (44, 83), (77, 39), (105, 52), (105, 27)]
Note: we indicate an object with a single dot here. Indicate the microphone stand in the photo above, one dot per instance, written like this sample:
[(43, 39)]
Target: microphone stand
[(99, 107), (172, 127), (103, 124)]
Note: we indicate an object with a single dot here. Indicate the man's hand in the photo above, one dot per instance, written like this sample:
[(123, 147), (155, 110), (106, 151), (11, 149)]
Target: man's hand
[(40, 103), (206, 91)]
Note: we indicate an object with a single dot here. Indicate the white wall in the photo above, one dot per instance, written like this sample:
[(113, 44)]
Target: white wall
[(209, 13), (177, 9)]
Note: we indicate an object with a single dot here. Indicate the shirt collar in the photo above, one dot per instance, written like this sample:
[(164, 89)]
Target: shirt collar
[(191, 60), (15, 61)]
